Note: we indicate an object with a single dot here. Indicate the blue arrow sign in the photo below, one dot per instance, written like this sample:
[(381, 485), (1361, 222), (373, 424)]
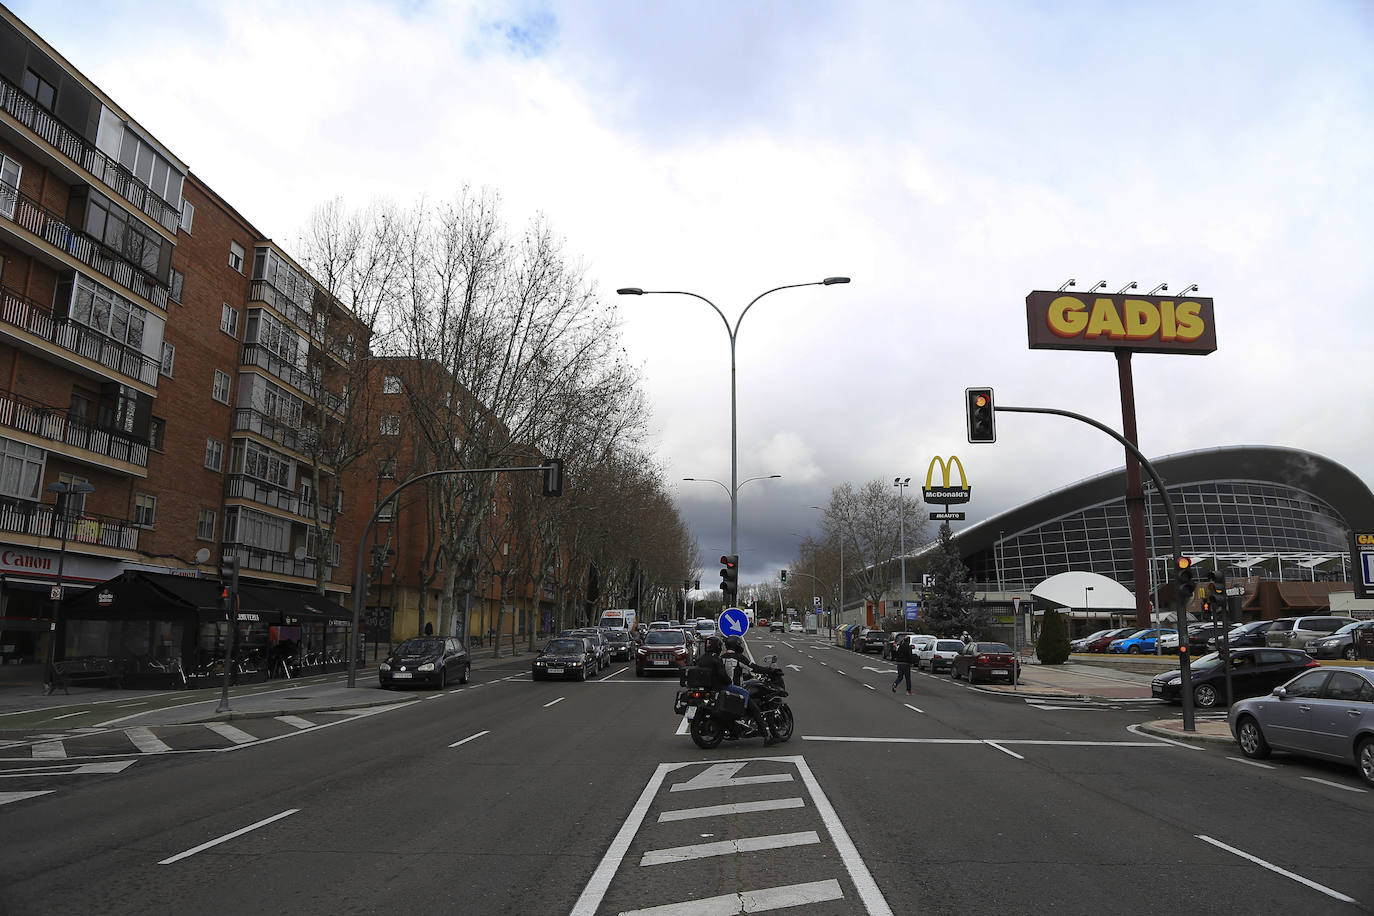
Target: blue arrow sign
[(732, 622)]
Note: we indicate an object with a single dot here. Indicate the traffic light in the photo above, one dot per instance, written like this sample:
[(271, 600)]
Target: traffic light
[(553, 477), (981, 427), (784, 575), (1185, 585), (729, 576), (229, 580)]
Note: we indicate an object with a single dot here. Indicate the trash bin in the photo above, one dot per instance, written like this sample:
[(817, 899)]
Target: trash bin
[(1364, 643)]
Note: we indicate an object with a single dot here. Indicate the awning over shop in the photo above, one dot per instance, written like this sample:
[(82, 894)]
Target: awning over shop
[(137, 594), (296, 606)]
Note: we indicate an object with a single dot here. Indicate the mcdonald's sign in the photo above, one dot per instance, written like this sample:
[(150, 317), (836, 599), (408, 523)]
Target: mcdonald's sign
[(944, 493)]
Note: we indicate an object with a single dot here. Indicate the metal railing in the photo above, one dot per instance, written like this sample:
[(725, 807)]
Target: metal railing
[(24, 109), (270, 427), (57, 424), (264, 291), (37, 319), (262, 357), (52, 227), (262, 560), (40, 520), (242, 486)]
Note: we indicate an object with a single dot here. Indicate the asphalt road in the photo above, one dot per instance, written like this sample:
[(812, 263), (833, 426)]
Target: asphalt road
[(514, 797)]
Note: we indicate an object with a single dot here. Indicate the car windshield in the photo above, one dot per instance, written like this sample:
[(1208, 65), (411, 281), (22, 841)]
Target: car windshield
[(1210, 660), (665, 638), (1250, 627), (1135, 633), (564, 647), (618, 637), (431, 646), (1348, 628), (994, 647), (948, 645)]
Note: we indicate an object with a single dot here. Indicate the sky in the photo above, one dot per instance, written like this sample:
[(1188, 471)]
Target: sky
[(949, 157)]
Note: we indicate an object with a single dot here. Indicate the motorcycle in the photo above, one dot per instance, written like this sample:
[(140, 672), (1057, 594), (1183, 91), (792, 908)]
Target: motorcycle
[(719, 715)]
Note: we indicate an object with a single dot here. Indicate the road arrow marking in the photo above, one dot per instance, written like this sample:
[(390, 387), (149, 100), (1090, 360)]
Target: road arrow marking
[(722, 775), (881, 670), (794, 667)]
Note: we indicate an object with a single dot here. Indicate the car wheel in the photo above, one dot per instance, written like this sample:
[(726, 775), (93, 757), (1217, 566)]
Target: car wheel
[(1135, 650), (1349, 653), (1364, 759), (1205, 696), (1250, 737), (954, 672)]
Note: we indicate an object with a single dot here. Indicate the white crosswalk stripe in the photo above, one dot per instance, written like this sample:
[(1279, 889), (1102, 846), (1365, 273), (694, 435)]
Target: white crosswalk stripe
[(296, 721), (144, 739), (225, 730)]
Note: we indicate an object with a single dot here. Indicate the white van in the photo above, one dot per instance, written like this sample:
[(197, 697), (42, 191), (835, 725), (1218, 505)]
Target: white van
[(620, 618)]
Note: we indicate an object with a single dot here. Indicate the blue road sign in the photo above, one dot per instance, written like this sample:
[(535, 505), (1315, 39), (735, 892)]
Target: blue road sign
[(732, 622)]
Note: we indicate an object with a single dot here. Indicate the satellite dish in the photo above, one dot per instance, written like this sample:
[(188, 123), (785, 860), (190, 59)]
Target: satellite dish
[(300, 552), (202, 554)]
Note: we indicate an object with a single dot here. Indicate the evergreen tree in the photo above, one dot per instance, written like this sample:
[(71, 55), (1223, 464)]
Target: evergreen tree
[(1053, 646), (948, 609)]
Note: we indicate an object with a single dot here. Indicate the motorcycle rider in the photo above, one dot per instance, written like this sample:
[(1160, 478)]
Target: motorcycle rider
[(732, 648)]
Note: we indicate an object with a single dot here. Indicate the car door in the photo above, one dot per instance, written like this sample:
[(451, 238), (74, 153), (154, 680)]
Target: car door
[(1337, 713), (1289, 723)]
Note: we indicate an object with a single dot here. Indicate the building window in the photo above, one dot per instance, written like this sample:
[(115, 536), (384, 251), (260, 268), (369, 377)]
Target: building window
[(229, 320), (386, 468), (205, 525), (145, 509), (42, 90), (391, 384), (188, 215), (221, 390), (169, 356), (157, 429), (236, 256), (75, 502), (21, 467), (387, 512), (9, 185), (214, 454), (103, 310), (176, 282), (391, 425)]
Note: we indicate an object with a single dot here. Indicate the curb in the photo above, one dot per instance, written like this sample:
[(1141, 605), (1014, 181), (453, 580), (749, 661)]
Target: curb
[(1154, 728)]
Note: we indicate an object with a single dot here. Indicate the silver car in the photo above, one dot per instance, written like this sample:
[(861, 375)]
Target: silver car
[(1326, 713)]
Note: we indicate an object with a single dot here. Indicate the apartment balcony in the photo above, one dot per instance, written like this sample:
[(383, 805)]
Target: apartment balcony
[(294, 437), (241, 486), (56, 424), (263, 291), (41, 520), (271, 561), (29, 315), (260, 356), (81, 152)]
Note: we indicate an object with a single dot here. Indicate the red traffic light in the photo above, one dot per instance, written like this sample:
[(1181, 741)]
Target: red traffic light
[(726, 562), (1184, 562), (980, 400)]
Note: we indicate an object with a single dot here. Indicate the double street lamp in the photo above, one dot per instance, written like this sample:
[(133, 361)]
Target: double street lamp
[(733, 332), (901, 483), (61, 518)]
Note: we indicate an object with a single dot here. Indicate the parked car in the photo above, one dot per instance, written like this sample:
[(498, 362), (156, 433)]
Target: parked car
[(916, 640), (1297, 632), (1341, 644), (1197, 639), (1327, 713), (986, 660), (1247, 634), (569, 657), (432, 660), (872, 641), (794, 627), (663, 650), (1100, 643), (621, 644), (939, 655), (1081, 644), (1253, 672), (1141, 641)]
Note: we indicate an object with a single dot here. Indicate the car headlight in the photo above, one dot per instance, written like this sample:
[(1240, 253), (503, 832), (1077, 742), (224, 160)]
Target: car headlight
[(427, 666), (574, 664), (384, 667)]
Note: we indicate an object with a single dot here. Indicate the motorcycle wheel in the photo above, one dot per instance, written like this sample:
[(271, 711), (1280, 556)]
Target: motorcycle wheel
[(782, 722), (707, 732)]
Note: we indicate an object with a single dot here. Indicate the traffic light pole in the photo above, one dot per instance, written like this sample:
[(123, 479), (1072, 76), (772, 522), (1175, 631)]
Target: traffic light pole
[(1184, 667)]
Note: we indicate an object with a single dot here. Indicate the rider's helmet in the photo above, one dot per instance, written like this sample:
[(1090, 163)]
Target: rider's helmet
[(714, 645), (734, 644)]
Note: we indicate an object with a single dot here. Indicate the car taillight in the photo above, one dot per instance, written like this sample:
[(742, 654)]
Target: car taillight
[(981, 658), (1313, 664)]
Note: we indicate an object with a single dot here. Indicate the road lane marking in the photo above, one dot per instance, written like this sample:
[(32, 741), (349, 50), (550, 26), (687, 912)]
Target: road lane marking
[(858, 871), (600, 880), (68, 715), (552, 702), (728, 847), (7, 797), (1334, 785), (470, 738), (49, 750), (722, 775), (296, 721), (228, 836), (909, 706), (144, 739), (869, 686), (1277, 870), (1135, 730), (225, 730), (685, 814), (131, 705), (761, 901), (1004, 750), (1253, 763), (683, 726), (864, 740)]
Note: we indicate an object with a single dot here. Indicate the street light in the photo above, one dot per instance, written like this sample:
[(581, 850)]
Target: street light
[(901, 484), (733, 333), (727, 489), (63, 491), (1086, 589)]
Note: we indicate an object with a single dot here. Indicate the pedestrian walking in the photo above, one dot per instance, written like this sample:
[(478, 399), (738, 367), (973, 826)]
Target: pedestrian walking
[(901, 654), (965, 638)]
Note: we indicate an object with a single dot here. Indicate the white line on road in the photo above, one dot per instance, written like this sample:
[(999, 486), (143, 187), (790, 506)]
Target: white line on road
[(683, 726), (7, 797), (131, 705), (1253, 763), (296, 721), (728, 847), (859, 740), (225, 730), (909, 706), (773, 898), (722, 775), (228, 836), (1274, 868), (49, 750), (1334, 785), (595, 890), (144, 739), (869, 686), (685, 814), (858, 871), (1135, 730), (470, 738), (70, 714), (1004, 750), (551, 702)]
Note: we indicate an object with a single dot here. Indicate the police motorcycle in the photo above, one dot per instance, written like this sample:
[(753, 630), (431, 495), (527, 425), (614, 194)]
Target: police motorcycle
[(722, 715)]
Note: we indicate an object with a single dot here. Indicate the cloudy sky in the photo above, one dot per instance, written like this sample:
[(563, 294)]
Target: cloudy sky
[(948, 156)]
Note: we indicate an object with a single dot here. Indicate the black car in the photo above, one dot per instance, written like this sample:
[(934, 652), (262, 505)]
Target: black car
[(599, 643), (1246, 635), (622, 646), (872, 641), (568, 657), (1254, 672), (430, 660)]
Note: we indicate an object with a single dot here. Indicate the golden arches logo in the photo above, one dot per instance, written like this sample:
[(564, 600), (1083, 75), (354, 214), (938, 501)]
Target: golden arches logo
[(945, 493)]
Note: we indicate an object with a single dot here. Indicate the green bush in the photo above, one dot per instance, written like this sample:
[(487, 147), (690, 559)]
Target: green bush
[(1053, 646)]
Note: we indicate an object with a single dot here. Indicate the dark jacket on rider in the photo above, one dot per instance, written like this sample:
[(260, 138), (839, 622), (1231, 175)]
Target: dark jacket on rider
[(720, 679)]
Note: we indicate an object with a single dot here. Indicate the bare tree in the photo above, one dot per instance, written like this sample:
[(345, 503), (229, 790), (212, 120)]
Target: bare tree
[(866, 521)]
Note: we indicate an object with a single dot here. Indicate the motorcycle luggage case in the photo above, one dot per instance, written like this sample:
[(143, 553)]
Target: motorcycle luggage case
[(697, 676), (732, 704)]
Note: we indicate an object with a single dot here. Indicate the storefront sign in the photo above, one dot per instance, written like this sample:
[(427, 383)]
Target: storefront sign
[(105, 598), (944, 493), (1145, 324), (1362, 558)]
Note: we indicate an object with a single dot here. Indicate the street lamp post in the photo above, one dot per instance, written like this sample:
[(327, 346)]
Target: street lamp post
[(901, 485), (734, 334), (1086, 589), (64, 492)]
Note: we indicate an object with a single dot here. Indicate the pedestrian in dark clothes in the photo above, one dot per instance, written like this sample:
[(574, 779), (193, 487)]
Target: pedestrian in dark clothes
[(901, 654)]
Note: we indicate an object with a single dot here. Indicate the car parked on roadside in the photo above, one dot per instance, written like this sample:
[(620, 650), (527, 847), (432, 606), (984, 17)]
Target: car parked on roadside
[(794, 628), (1081, 644), (1198, 634), (1341, 644), (1327, 713), (1249, 634), (991, 661), (1297, 632), (568, 657), (916, 640), (871, 641), (1138, 643), (1100, 643), (428, 660), (939, 655), (1253, 672), (663, 650)]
